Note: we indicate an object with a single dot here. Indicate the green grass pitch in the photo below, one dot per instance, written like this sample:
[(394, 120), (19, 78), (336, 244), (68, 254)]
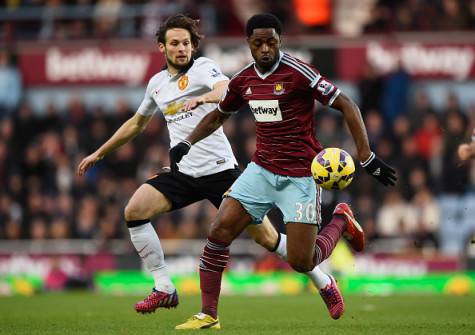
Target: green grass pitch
[(88, 313)]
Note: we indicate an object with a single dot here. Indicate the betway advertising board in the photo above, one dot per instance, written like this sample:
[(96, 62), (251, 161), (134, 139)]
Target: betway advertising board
[(456, 62), (132, 66), (89, 65)]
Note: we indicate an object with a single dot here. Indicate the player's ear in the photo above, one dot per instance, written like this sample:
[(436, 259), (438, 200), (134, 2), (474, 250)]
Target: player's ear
[(161, 47)]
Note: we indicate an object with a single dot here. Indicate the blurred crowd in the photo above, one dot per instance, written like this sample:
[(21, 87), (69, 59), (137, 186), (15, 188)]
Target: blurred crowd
[(41, 197), (79, 19)]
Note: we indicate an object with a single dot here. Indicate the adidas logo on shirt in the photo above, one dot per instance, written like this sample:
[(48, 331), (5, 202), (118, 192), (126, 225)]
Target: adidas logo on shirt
[(248, 91)]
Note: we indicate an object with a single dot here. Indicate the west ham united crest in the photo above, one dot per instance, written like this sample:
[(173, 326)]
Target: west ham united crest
[(183, 82), (279, 88)]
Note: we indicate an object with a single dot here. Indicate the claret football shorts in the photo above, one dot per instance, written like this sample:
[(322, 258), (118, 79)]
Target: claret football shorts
[(259, 190)]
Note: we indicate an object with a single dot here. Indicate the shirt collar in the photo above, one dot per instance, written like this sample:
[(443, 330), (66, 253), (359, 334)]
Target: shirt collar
[(274, 67), (182, 71)]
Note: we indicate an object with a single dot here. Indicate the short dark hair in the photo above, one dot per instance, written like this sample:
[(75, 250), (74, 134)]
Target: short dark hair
[(180, 21), (265, 20)]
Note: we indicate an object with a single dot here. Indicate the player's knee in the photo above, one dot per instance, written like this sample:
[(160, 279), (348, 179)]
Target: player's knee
[(302, 264), (265, 241), (133, 213), (221, 233)]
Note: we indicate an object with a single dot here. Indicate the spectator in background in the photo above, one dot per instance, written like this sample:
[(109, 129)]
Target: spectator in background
[(379, 20), (408, 162), (395, 94), (428, 136), (401, 129), (370, 88), (5, 163), (10, 84), (375, 127), (328, 130), (107, 18), (51, 26), (453, 16), (456, 177), (365, 209), (471, 11), (396, 218), (428, 219), (419, 107), (466, 151)]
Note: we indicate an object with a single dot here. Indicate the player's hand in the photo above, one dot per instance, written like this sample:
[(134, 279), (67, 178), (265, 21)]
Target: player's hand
[(87, 162), (385, 174), (176, 154), (193, 103)]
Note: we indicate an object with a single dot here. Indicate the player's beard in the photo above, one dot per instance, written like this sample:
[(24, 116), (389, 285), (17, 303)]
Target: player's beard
[(266, 66), (179, 67)]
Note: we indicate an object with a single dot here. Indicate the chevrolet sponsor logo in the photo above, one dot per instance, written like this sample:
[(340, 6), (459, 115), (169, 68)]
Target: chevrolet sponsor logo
[(173, 108)]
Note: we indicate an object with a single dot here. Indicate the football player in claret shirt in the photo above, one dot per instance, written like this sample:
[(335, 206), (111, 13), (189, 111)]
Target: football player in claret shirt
[(281, 91), (185, 92)]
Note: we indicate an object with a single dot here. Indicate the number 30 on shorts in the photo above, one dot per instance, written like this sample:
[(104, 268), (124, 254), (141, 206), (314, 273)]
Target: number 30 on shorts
[(305, 212)]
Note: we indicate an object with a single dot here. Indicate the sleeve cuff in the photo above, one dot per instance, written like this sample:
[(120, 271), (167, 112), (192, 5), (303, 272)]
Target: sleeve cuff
[(368, 161), (223, 111), (335, 95)]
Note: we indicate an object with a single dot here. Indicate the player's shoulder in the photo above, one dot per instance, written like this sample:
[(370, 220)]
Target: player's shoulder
[(205, 66), (242, 72), (300, 67), (204, 61), (157, 77)]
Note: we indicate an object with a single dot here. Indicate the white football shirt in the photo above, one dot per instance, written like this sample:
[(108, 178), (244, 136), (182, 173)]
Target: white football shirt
[(166, 93)]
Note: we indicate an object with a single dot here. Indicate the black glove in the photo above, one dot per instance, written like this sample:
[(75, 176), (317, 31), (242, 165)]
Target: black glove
[(176, 154), (380, 170)]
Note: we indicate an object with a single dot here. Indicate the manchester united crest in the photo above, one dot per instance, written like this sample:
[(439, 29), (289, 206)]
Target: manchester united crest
[(279, 88), (183, 82)]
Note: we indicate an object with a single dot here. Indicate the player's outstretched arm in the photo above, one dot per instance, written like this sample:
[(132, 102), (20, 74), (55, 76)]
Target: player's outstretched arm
[(213, 96), (372, 164), (206, 127), (129, 129)]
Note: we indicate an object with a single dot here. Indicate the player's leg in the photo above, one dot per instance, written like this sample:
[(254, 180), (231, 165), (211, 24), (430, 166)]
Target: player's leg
[(267, 236), (302, 217), (243, 206), (323, 282), (300, 243), (217, 185), (231, 220), (145, 203), (159, 194)]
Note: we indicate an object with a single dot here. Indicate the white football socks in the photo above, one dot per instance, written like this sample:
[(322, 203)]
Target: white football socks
[(147, 244), (319, 278)]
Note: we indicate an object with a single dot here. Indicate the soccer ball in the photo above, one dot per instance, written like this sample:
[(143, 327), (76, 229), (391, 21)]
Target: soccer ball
[(333, 169)]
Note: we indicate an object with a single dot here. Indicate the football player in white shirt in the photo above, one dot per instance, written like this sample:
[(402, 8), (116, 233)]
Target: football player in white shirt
[(184, 92)]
